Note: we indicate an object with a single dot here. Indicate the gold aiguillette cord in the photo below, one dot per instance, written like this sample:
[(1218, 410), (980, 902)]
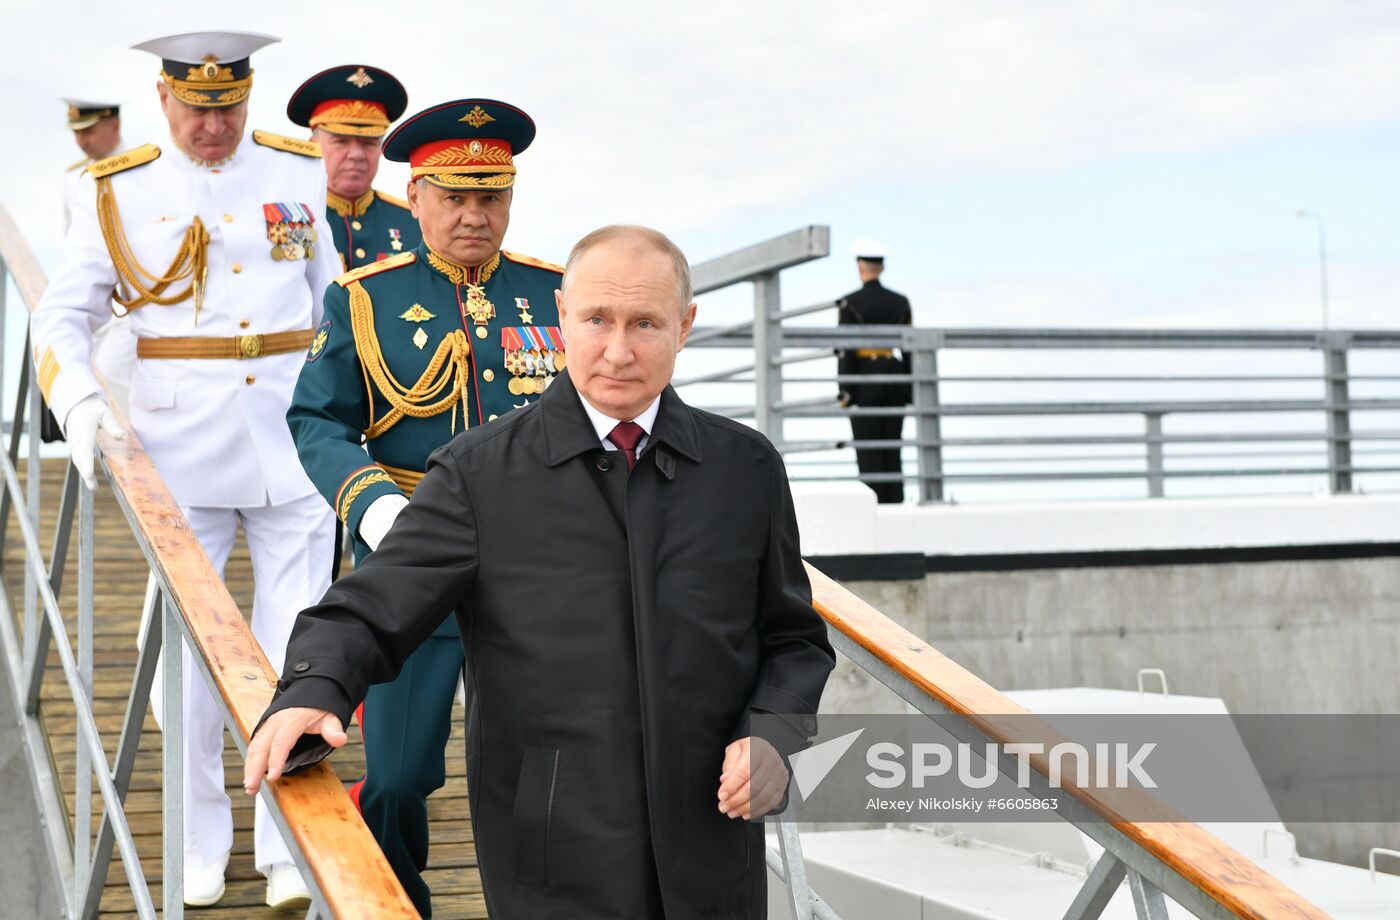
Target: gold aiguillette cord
[(137, 286)]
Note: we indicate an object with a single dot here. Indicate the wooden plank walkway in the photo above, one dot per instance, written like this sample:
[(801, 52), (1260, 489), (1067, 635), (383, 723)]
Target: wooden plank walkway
[(120, 584)]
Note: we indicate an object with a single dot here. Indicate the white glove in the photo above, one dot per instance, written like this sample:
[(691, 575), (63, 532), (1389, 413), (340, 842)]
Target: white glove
[(80, 428), (379, 517)]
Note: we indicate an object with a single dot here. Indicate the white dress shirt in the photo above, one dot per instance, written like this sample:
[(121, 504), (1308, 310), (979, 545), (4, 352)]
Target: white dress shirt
[(604, 424)]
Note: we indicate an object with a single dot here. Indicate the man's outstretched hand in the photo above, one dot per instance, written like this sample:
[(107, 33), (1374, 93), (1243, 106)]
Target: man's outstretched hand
[(267, 752), (753, 779)]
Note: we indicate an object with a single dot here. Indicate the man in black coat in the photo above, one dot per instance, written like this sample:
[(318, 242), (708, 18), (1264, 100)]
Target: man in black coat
[(875, 305), (626, 577)]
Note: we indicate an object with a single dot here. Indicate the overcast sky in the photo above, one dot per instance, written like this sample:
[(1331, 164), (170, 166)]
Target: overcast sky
[(1028, 163)]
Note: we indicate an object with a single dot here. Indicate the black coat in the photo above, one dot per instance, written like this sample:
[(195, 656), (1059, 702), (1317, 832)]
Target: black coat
[(619, 628), (874, 305)]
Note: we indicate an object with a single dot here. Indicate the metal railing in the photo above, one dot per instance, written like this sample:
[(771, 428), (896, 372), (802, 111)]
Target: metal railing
[(189, 604), (1158, 859), (970, 427)]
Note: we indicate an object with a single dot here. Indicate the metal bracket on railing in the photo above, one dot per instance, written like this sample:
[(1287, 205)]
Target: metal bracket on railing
[(1292, 843), (1379, 851), (800, 895), (172, 765), (1143, 673), (791, 870), (1148, 900), (1156, 462), (1098, 889)]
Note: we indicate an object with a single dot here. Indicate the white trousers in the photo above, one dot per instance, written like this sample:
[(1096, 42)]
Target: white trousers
[(291, 549)]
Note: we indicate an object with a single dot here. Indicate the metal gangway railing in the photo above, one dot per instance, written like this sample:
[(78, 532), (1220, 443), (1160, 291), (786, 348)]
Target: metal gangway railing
[(1156, 859), (330, 843), (1152, 428), (332, 847)]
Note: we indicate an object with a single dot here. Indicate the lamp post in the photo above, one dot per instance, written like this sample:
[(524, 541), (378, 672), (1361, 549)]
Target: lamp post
[(1322, 258)]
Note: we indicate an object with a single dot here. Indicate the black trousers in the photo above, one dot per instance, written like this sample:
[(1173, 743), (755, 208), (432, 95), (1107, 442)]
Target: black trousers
[(879, 428), (880, 459)]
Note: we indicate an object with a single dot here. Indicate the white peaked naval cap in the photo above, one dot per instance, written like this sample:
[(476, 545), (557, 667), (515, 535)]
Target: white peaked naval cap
[(869, 249), (194, 47)]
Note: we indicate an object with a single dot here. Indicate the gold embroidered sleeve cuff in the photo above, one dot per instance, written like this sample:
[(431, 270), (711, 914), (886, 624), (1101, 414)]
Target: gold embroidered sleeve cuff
[(358, 492)]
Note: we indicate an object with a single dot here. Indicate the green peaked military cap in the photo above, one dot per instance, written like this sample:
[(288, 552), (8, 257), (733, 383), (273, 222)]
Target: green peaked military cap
[(463, 144), (352, 99)]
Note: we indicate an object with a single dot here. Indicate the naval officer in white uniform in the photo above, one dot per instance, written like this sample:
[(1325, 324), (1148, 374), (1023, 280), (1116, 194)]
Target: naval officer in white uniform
[(216, 245), (97, 130)]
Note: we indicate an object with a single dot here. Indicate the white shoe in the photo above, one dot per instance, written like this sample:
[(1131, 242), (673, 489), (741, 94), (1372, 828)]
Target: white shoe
[(204, 883), (285, 887)]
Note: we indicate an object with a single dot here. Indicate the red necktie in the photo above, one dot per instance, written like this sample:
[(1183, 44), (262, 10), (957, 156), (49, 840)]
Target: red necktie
[(627, 435)]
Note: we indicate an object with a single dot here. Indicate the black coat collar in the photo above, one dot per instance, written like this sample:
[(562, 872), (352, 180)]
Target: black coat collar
[(568, 431)]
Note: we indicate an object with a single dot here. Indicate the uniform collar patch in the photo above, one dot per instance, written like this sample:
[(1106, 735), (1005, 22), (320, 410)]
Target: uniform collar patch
[(462, 274), (348, 207)]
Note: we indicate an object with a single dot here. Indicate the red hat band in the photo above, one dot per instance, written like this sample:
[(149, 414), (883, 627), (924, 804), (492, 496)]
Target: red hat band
[(458, 157)]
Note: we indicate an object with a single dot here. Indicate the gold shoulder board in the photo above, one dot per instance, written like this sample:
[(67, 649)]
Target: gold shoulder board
[(531, 260), (78, 165), (396, 202), (138, 156), (374, 268), (289, 144)]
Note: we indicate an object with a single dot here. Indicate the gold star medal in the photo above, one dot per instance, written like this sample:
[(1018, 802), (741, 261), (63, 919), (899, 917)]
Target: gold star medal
[(523, 306)]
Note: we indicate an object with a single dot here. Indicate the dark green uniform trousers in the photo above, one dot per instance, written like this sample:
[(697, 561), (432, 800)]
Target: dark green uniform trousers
[(405, 725)]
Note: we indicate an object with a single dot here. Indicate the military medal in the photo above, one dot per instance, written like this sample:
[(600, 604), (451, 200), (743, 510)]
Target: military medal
[(523, 306), (532, 355), (395, 242), (477, 306), (290, 230)]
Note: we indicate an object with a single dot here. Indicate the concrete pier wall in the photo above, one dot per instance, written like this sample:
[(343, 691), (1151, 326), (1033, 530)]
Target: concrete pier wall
[(1281, 636)]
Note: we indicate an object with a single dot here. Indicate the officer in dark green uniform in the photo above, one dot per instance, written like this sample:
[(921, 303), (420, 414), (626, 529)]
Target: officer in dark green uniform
[(349, 109), (414, 349)]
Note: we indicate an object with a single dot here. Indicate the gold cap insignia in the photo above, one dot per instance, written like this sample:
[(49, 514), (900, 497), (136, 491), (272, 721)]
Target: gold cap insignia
[(360, 78), (73, 113), (416, 314), (209, 72), (476, 117)]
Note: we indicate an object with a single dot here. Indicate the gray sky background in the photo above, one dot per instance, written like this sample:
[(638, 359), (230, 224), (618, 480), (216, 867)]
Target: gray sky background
[(1077, 163)]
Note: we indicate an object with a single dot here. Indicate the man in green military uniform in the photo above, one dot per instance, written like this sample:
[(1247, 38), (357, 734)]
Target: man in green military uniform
[(349, 109), (413, 350)]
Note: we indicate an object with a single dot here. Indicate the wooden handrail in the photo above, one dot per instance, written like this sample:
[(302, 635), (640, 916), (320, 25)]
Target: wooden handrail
[(349, 868), (1229, 878)]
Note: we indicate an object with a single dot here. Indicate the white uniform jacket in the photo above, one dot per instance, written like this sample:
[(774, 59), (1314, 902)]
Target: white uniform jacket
[(216, 428), (72, 183)]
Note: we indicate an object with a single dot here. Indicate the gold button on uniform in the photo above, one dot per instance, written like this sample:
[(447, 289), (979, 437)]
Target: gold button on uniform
[(354, 225), (249, 379), (242, 324), (237, 267), (228, 218), (488, 375), (359, 253), (481, 332)]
